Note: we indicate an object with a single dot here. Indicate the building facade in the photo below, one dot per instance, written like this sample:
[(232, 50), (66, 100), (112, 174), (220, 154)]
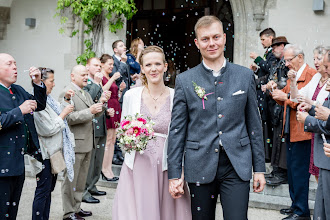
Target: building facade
[(167, 23)]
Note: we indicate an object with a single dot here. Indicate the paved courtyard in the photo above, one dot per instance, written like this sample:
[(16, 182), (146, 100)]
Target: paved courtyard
[(102, 211)]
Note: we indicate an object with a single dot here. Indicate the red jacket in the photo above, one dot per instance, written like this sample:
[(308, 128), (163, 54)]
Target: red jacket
[(296, 128)]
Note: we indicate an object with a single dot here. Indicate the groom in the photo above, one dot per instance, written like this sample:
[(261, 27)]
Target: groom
[(216, 126)]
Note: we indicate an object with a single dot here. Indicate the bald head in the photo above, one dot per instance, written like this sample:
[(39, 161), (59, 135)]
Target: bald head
[(8, 69), (79, 75)]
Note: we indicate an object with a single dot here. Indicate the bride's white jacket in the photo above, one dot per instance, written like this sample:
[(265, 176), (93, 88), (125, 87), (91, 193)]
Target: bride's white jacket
[(131, 106)]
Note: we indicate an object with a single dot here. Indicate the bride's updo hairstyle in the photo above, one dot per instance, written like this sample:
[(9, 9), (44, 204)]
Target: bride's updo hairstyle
[(147, 50)]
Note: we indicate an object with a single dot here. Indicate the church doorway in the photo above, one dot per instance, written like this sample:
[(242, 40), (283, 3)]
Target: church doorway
[(170, 25)]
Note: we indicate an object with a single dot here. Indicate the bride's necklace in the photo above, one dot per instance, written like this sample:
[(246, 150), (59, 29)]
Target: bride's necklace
[(155, 99), (322, 81)]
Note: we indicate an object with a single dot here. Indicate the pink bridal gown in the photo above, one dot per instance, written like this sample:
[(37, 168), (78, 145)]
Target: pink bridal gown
[(142, 193)]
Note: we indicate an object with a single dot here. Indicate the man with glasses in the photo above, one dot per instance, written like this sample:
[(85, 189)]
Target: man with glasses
[(298, 142)]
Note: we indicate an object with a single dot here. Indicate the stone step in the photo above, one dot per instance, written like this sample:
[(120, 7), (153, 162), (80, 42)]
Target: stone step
[(258, 200)]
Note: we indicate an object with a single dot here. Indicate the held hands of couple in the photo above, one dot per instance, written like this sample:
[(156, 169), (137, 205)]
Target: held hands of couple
[(259, 182), (176, 188), (322, 113)]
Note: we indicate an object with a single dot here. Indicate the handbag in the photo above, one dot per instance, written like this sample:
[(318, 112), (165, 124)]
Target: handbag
[(57, 162)]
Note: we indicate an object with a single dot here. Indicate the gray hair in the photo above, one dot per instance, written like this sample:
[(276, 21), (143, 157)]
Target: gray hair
[(320, 50), (297, 49), (45, 72)]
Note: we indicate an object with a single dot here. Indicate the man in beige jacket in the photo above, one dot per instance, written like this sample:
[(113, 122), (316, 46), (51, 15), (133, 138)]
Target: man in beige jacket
[(81, 125)]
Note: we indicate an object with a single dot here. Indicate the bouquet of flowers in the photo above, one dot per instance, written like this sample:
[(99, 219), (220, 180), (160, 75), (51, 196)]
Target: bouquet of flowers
[(134, 132)]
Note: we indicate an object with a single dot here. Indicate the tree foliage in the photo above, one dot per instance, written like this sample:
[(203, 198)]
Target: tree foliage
[(90, 11)]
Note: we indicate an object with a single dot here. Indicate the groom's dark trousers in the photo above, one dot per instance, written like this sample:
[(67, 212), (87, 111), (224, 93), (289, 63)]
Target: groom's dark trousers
[(234, 194)]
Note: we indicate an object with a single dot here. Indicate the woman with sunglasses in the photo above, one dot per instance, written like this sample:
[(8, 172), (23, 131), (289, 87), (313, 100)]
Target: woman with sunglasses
[(54, 136)]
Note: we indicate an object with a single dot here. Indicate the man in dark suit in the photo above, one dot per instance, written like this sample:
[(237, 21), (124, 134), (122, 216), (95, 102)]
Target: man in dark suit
[(261, 68), (318, 125), (17, 132), (216, 126), (121, 66), (94, 88)]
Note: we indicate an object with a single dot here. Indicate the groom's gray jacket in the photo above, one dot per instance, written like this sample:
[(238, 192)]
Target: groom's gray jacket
[(230, 118)]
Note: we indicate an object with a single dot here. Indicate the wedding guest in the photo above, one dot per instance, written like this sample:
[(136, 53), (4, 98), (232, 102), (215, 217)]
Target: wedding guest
[(81, 124), (142, 191), (298, 142), (17, 121), (278, 73), (54, 136), (314, 92), (261, 67), (318, 124), (94, 88), (120, 65), (137, 45), (111, 123)]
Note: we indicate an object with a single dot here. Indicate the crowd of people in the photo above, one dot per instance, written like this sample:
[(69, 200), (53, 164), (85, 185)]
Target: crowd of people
[(290, 98), (213, 131)]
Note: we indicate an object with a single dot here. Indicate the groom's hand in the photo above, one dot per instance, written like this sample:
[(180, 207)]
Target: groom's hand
[(259, 182), (176, 188)]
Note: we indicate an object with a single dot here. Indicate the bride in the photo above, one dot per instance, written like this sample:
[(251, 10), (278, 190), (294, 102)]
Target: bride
[(142, 192)]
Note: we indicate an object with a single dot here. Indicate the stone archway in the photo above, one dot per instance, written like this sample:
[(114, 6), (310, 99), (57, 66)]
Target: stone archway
[(249, 17)]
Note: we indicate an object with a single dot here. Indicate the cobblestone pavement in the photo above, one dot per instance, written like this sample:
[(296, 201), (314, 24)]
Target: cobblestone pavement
[(102, 211)]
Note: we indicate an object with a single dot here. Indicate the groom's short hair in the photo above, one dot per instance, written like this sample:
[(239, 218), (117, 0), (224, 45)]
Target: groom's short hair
[(206, 21)]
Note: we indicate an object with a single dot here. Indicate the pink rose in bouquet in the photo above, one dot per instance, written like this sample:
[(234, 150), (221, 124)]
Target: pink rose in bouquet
[(134, 133)]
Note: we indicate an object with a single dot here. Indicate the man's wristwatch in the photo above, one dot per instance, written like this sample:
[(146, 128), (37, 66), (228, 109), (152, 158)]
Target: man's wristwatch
[(66, 99)]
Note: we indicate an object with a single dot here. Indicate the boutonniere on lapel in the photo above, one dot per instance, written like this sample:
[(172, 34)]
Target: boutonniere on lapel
[(200, 91), (326, 99)]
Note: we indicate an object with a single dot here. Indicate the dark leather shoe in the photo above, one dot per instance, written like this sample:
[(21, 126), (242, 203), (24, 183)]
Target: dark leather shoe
[(74, 217), (269, 175), (294, 216), (98, 193), (276, 181), (287, 211), (83, 213), (91, 199), (117, 161)]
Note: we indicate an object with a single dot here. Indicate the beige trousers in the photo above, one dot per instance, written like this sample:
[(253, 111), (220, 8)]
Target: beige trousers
[(72, 191)]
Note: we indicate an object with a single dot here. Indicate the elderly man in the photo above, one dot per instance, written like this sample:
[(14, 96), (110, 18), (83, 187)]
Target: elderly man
[(318, 125), (81, 125), (298, 142), (94, 88), (278, 73), (17, 132)]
